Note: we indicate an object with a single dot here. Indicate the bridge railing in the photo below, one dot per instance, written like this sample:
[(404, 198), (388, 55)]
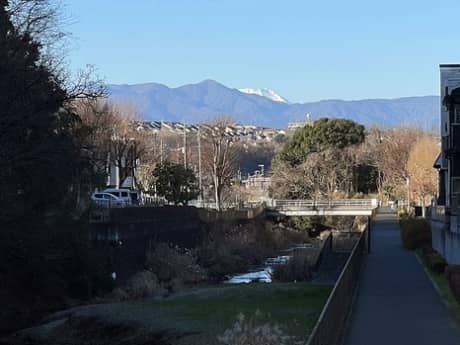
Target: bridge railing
[(331, 323), (303, 204)]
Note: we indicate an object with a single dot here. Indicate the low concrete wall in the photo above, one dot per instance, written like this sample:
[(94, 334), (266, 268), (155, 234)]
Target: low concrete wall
[(344, 241), (209, 215), (452, 248), (445, 242), (438, 239), (122, 240), (325, 249), (121, 243), (179, 225), (445, 237)]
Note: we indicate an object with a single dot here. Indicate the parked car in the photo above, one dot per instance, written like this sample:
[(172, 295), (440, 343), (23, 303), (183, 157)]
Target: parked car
[(107, 200), (137, 197), (121, 193), (132, 197)]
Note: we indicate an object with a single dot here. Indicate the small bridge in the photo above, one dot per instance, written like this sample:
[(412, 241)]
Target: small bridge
[(344, 207)]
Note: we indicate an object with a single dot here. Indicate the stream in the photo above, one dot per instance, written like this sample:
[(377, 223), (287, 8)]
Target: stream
[(263, 273)]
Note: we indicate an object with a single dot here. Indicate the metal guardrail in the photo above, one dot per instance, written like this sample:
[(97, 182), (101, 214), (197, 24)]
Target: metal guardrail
[(226, 205), (330, 325), (303, 204), (286, 205)]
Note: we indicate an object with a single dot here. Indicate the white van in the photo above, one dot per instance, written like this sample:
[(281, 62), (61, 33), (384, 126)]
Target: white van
[(123, 194), (107, 200)]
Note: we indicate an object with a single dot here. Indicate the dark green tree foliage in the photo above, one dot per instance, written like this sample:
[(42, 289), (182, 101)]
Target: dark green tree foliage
[(176, 183), (324, 134), (44, 257), (37, 151)]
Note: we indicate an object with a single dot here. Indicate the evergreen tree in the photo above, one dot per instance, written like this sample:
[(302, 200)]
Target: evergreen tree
[(38, 154), (176, 183), (324, 134)]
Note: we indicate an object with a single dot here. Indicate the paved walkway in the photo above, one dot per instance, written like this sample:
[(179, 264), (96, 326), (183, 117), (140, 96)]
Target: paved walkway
[(396, 302)]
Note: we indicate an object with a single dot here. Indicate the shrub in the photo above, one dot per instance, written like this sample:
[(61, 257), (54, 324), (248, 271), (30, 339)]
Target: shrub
[(404, 212), (434, 262), (119, 294), (221, 258), (252, 331), (298, 268), (453, 277), (415, 233), (143, 284), (174, 267), (233, 247)]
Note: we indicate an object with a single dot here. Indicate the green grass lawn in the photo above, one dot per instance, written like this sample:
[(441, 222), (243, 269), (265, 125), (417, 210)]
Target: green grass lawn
[(211, 310), (447, 295), (192, 317), (444, 290)]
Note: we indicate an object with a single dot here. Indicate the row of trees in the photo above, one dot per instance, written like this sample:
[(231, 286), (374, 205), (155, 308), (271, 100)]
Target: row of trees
[(112, 138), (332, 158), (337, 157)]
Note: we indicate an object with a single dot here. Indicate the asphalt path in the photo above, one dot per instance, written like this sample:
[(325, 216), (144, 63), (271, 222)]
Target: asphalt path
[(396, 302)]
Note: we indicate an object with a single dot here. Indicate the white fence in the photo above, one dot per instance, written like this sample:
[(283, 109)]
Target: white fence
[(303, 204)]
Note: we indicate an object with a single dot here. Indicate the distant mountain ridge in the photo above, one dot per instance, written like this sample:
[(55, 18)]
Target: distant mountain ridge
[(194, 103)]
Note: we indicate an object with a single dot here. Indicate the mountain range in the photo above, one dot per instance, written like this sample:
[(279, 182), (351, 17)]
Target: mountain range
[(194, 103)]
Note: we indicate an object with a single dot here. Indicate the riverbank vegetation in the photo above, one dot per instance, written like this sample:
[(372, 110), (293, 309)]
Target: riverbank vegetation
[(198, 316)]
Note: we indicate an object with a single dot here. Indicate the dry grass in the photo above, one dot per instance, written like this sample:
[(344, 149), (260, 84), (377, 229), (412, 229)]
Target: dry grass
[(253, 331)]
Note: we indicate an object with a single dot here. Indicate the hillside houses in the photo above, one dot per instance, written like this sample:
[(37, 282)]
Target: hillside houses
[(246, 133)]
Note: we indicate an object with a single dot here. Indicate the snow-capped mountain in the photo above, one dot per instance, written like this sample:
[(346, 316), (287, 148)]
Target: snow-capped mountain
[(267, 93), (195, 103)]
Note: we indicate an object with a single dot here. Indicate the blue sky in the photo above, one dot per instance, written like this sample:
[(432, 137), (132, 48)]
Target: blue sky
[(304, 50)]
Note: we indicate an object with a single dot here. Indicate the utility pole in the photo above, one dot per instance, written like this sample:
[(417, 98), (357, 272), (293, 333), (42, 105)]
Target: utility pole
[(185, 146), (161, 149), (177, 153), (199, 162)]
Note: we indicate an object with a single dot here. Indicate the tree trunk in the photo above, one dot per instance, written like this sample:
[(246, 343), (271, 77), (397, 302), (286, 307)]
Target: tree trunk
[(216, 193), (423, 208)]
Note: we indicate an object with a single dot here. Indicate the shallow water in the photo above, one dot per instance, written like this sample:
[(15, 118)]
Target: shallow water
[(264, 272)]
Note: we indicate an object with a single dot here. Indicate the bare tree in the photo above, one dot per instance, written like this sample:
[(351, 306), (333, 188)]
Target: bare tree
[(113, 136), (390, 150), (325, 174), (422, 175), (44, 22), (219, 155)]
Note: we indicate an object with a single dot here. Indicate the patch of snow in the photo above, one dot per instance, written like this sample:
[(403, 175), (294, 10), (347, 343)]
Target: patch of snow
[(267, 93)]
